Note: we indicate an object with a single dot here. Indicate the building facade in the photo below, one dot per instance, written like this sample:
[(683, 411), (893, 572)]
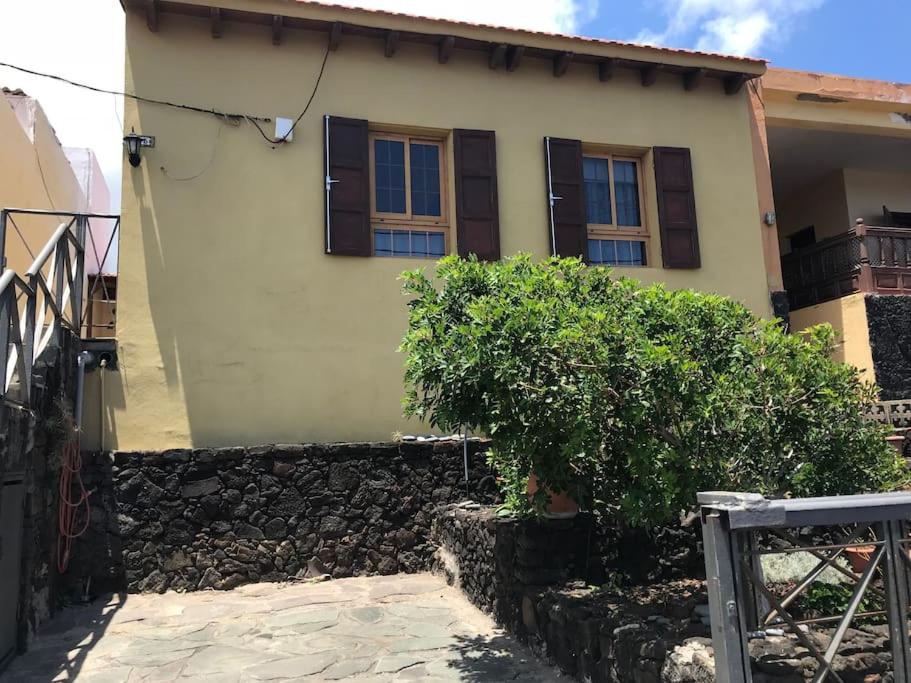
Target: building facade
[(258, 298), (840, 158)]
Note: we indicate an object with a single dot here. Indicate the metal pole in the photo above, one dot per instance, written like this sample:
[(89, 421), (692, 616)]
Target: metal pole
[(4, 214), (896, 578), (79, 281), (7, 300), (732, 658), (465, 455)]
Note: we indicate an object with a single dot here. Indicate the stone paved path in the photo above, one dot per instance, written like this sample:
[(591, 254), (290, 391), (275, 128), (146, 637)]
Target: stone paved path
[(396, 628)]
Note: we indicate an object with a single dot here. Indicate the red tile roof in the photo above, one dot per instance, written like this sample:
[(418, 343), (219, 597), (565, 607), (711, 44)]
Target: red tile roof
[(543, 34)]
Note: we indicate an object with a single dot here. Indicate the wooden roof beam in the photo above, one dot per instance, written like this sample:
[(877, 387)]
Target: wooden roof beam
[(733, 84), (561, 63), (392, 43), (152, 15), (649, 75), (692, 79), (444, 51), (277, 23), (216, 22), (335, 36), (606, 69), (497, 55), (514, 57)]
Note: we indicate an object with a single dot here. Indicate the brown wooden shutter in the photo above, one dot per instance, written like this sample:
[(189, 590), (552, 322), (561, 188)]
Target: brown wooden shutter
[(477, 213), (566, 197), (676, 208), (347, 166)]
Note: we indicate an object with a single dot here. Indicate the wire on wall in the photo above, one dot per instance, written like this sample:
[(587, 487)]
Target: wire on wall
[(313, 92), (225, 116), (220, 124), (138, 98)]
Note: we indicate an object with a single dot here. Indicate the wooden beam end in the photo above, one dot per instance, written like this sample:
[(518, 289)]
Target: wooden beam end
[(561, 63), (514, 57), (152, 15), (215, 19), (692, 79), (497, 55), (734, 83), (335, 36), (444, 52), (392, 43), (277, 24), (649, 75)]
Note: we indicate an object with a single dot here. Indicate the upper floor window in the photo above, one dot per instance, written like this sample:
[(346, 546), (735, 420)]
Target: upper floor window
[(614, 210), (408, 195)]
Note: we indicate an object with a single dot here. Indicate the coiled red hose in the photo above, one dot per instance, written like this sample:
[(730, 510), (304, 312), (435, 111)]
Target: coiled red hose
[(69, 507)]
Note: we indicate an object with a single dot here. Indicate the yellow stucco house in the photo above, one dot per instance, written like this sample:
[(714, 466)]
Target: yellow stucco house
[(258, 292)]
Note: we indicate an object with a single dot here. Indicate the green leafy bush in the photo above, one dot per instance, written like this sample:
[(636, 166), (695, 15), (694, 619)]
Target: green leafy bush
[(632, 398)]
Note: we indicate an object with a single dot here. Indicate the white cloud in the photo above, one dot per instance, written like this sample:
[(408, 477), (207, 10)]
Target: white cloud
[(740, 27), (560, 16)]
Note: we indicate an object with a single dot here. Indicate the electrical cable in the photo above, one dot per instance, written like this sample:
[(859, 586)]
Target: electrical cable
[(284, 137), (204, 168), (138, 98)]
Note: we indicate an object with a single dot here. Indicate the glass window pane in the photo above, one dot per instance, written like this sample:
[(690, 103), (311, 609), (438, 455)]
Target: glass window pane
[(437, 244), (401, 243), (389, 175), (596, 175), (626, 190), (409, 243), (624, 253), (425, 179), (594, 251), (382, 243), (419, 243)]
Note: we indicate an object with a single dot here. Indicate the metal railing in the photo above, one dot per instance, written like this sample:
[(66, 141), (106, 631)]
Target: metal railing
[(864, 259), (49, 298), (739, 529)]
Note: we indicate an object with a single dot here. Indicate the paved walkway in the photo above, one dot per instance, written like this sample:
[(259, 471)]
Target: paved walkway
[(397, 628)]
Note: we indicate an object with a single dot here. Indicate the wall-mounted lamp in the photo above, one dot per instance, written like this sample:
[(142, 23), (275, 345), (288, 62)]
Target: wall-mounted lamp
[(134, 142)]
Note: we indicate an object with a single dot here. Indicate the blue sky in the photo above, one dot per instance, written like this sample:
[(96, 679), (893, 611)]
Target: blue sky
[(851, 37)]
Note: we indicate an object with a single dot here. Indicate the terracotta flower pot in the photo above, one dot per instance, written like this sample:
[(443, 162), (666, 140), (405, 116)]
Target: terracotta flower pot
[(561, 505), (859, 557)]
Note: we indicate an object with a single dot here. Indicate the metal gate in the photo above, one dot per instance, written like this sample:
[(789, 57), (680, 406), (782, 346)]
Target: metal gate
[(736, 530)]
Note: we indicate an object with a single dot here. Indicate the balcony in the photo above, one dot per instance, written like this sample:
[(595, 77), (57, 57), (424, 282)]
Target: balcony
[(867, 258)]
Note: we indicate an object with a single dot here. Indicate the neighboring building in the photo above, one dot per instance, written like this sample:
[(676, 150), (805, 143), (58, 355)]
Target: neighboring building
[(101, 244), (36, 172), (251, 312), (840, 156)]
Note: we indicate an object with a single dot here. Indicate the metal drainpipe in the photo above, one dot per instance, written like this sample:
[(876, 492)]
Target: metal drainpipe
[(102, 366), (81, 360)]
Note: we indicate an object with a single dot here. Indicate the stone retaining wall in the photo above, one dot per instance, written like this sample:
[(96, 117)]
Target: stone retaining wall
[(218, 518), (889, 322), (607, 633), (31, 443)]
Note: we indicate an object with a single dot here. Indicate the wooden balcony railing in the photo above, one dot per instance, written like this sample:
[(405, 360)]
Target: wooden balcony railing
[(865, 259)]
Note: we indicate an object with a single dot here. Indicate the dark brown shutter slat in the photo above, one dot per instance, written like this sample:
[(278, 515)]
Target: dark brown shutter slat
[(566, 200), (676, 208), (477, 213), (347, 166)]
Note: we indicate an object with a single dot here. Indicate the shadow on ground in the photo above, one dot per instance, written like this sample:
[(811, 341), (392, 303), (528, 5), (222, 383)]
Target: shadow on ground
[(60, 651)]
